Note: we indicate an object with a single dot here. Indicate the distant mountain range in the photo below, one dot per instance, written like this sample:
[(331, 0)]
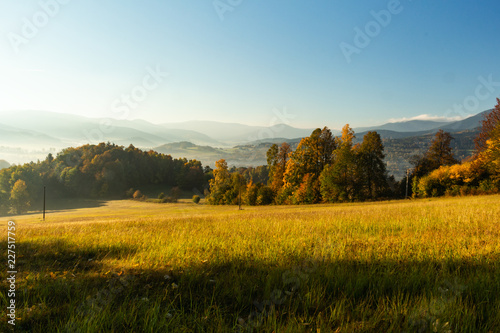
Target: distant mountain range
[(420, 127), (234, 133), (405, 126), (31, 135)]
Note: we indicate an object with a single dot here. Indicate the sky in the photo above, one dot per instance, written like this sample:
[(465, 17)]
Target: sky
[(315, 64)]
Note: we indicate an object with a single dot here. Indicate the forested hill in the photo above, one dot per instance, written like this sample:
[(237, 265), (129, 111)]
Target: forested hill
[(398, 150), (92, 171)]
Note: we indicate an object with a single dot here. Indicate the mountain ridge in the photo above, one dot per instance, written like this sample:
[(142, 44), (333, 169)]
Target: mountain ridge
[(29, 135)]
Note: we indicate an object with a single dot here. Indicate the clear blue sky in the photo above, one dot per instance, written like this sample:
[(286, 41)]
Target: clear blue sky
[(263, 55)]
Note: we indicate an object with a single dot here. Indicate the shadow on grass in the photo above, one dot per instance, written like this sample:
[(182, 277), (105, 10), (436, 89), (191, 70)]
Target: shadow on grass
[(299, 294), (68, 204), (59, 255), (49, 276), (61, 205)]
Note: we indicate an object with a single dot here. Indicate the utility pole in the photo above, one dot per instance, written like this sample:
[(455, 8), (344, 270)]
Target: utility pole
[(407, 176), (44, 203), (239, 193)]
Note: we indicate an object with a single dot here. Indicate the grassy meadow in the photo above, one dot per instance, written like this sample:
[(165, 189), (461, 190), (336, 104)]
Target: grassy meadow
[(128, 266)]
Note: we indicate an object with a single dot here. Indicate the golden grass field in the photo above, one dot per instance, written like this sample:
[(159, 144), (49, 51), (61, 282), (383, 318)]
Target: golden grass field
[(127, 266)]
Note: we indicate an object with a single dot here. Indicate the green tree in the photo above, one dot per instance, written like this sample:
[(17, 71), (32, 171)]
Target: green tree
[(337, 181), (326, 147), (277, 159), (440, 152), (4, 202), (19, 197), (265, 195), (272, 157), (373, 172)]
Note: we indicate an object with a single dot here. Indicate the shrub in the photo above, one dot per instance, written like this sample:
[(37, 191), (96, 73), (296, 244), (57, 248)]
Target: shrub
[(265, 196), (139, 196), (464, 190), (130, 193), (161, 195), (175, 193), (168, 200), (486, 186), (196, 199)]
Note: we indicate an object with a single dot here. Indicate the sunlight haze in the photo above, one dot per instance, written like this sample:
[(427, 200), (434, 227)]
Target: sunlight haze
[(236, 63)]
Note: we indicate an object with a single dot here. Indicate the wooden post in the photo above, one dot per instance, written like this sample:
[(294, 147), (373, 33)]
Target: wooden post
[(44, 203), (407, 175), (239, 193)]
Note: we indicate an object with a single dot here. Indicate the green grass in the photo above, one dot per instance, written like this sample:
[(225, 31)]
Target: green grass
[(128, 266)]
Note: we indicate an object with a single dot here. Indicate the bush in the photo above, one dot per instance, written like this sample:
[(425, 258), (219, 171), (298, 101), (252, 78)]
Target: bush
[(161, 195), (464, 190), (454, 190), (175, 193), (265, 196), (487, 186), (130, 193), (139, 196), (196, 199), (168, 200)]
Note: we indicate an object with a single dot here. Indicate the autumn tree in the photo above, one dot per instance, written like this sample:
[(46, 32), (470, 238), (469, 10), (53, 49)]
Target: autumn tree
[(220, 184), (490, 156), (251, 193), (306, 164), (489, 123), (19, 197)]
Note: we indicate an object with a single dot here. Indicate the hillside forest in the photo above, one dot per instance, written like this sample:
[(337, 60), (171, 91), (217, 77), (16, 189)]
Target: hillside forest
[(322, 168)]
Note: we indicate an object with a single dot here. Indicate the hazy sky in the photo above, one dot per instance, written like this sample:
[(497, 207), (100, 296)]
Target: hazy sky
[(324, 62)]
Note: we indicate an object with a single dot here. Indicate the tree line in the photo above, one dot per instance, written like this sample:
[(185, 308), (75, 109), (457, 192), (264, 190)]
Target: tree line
[(95, 171), (323, 168), (440, 174)]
